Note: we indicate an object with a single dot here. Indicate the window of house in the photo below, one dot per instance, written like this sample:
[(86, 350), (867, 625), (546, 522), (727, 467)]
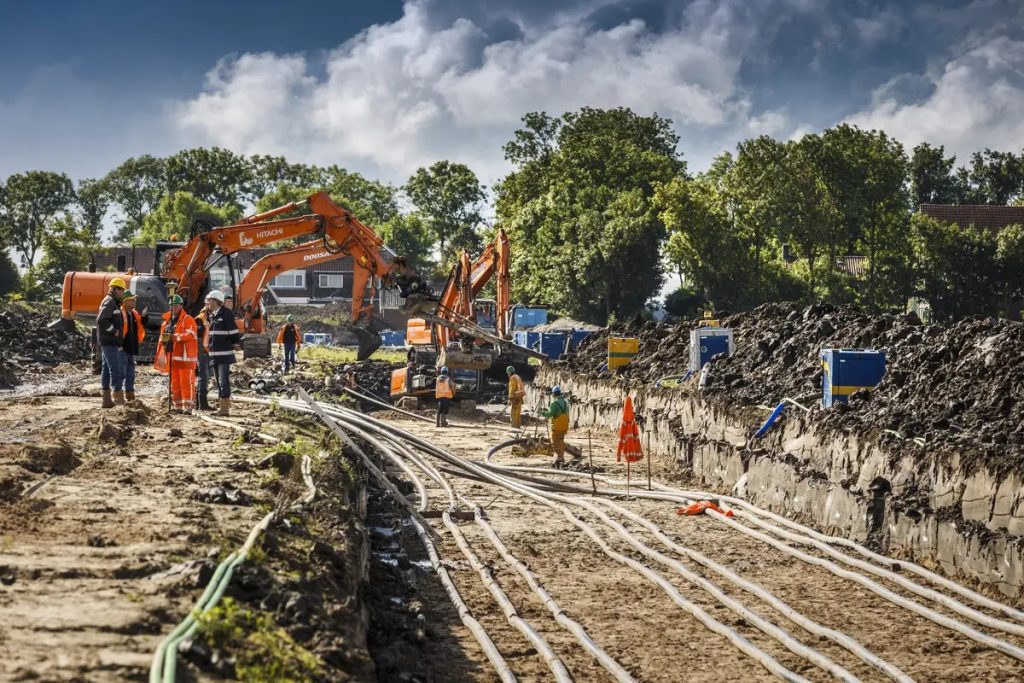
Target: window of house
[(331, 280), (294, 279)]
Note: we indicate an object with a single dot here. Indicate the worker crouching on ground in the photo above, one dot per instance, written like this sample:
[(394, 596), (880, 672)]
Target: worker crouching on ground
[(222, 338), (133, 331), (290, 340), (177, 355), (444, 392), (109, 324), (516, 394), (558, 412)]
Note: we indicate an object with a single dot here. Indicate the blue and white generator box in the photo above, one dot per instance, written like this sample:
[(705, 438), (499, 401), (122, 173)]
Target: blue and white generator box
[(707, 342), (847, 371)]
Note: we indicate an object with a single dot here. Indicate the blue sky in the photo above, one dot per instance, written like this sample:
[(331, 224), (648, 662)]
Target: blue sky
[(383, 87)]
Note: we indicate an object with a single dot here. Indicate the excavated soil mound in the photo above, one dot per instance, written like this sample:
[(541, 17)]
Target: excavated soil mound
[(26, 338), (958, 386)]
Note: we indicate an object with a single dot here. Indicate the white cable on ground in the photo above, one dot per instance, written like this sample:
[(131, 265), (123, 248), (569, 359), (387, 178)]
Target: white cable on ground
[(474, 626), (842, 639)]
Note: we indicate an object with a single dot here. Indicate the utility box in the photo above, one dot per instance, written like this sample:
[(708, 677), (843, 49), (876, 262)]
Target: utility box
[(847, 371), (707, 342), (525, 317), (621, 350), (552, 344)]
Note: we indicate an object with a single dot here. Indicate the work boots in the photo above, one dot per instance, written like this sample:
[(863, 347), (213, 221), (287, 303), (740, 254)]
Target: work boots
[(437, 419), (108, 402), (224, 408), (119, 398), (129, 396), (204, 402), (444, 420)]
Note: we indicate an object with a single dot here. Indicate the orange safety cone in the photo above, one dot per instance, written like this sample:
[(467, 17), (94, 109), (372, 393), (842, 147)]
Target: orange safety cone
[(629, 435)]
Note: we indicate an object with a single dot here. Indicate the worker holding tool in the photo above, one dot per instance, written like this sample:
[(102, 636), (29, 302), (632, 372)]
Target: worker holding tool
[(290, 340), (203, 369), (444, 392), (516, 394), (558, 413), (133, 331), (222, 339), (177, 355), (109, 337)]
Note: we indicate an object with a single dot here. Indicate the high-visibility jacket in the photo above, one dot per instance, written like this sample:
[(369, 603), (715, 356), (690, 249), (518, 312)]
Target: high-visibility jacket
[(140, 331), (221, 336), (286, 337), (184, 347), (444, 387), (516, 390), (558, 411)]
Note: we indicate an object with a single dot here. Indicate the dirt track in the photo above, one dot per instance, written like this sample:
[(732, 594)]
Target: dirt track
[(99, 562)]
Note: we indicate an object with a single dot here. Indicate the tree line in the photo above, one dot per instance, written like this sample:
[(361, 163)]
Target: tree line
[(600, 206)]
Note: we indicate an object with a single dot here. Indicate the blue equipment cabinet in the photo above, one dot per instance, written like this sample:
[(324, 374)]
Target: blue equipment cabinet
[(552, 344), (525, 317), (706, 342), (847, 371)]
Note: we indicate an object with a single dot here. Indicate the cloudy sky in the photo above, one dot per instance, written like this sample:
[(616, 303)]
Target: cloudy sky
[(385, 86)]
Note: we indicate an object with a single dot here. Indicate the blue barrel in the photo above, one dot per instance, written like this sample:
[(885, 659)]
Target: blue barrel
[(847, 371)]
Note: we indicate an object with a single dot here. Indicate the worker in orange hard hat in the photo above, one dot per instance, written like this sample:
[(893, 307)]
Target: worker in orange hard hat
[(109, 336), (177, 355)]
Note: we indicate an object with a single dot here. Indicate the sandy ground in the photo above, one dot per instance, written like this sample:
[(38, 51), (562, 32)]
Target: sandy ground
[(104, 547), (101, 561), (635, 621)]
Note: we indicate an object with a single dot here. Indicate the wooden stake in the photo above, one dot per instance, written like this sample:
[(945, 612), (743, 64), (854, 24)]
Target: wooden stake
[(648, 435), (590, 450)]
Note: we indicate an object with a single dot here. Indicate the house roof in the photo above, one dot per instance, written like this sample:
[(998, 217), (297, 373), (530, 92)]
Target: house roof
[(856, 266), (985, 216)]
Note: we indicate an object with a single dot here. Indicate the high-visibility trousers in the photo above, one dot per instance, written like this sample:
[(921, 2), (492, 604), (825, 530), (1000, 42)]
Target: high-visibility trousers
[(517, 412), (183, 381), (558, 442)]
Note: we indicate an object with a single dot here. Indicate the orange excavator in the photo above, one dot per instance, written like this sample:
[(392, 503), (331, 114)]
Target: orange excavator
[(466, 334), (184, 268)]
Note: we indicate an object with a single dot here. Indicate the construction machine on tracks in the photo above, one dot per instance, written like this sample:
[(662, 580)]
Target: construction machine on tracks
[(183, 268)]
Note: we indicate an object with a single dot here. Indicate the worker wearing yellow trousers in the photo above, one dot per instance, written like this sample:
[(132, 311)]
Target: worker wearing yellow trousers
[(558, 413), (516, 394)]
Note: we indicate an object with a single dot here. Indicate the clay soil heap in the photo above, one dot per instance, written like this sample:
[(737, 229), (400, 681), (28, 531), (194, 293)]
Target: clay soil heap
[(958, 386)]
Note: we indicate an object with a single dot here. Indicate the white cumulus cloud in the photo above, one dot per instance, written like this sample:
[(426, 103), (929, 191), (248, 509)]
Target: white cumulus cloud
[(404, 94), (977, 101)]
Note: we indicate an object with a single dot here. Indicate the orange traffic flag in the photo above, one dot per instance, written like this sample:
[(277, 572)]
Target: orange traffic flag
[(700, 507), (629, 435)]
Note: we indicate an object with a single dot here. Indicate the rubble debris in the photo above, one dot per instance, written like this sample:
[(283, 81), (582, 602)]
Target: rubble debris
[(224, 493), (56, 458), (26, 340)]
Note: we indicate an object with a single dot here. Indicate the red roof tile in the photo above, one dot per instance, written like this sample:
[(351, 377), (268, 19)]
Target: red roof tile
[(979, 215)]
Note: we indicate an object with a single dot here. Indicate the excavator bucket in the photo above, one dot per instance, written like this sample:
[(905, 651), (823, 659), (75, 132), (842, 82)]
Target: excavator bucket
[(368, 341)]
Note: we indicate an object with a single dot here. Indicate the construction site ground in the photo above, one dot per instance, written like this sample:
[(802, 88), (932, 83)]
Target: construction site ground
[(110, 521)]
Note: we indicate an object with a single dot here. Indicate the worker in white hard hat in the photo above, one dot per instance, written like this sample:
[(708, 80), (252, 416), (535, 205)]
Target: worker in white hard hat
[(222, 339)]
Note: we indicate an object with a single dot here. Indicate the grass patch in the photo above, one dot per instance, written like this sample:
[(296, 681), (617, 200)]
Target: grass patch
[(346, 354), (263, 651)]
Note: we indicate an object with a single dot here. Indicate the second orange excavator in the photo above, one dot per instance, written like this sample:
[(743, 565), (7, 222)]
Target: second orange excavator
[(184, 268)]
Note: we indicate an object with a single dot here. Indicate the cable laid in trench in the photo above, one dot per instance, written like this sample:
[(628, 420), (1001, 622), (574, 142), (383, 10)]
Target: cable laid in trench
[(553, 661)]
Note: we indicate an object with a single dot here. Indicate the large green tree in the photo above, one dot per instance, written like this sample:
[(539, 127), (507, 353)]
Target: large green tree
[(135, 188), (932, 178), (449, 198), (93, 202), (578, 208), (30, 203), (67, 246), (214, 175), (176, 213)]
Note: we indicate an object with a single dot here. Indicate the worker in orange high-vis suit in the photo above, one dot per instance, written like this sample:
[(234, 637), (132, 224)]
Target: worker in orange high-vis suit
[(177, 355), (444, 392)]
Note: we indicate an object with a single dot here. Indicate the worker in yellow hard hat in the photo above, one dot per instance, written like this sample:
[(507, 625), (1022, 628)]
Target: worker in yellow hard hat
[(109, 337)]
